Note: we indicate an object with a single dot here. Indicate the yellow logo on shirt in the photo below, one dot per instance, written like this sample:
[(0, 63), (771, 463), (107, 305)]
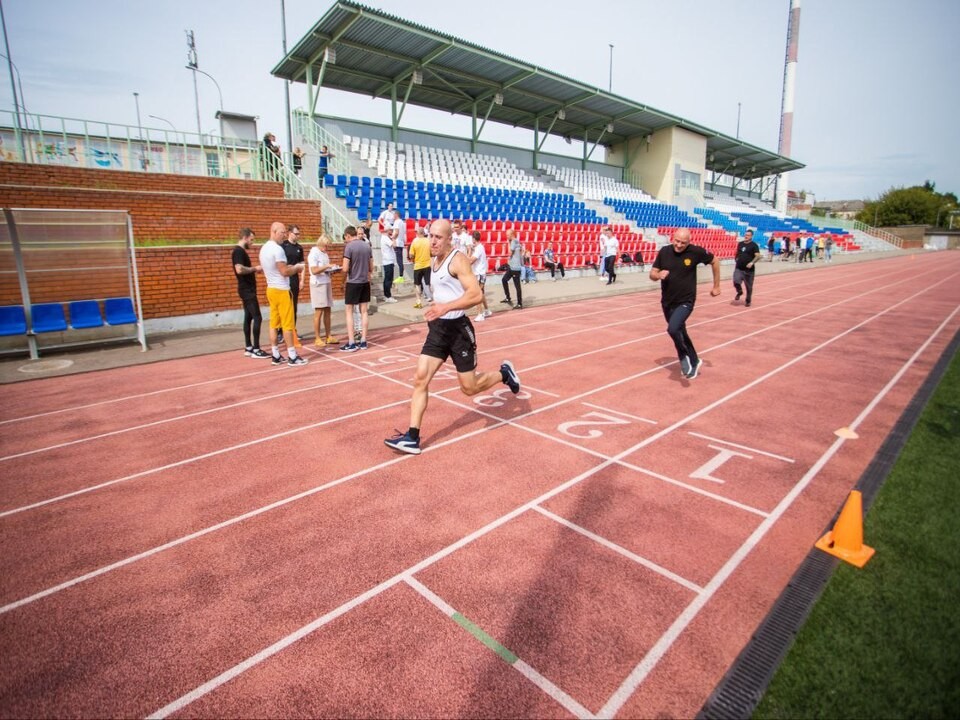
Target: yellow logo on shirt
[(686, 261)]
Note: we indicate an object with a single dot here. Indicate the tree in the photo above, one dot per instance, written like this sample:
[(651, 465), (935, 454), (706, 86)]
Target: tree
[(918, 205)]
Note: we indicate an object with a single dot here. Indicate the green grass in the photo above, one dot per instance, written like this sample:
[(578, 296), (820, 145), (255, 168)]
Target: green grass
[(884, 641)]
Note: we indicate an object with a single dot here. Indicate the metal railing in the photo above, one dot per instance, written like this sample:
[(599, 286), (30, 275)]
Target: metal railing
[(334, 221), (73, 142), (316, 137), (846, 224)]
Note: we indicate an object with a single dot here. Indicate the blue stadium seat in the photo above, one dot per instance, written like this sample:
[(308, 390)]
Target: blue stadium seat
[(48, 317), (85, 314), (13, 321), (119, 311)]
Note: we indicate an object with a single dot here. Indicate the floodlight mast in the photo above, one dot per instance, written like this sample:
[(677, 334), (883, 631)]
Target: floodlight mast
[(192, 65)]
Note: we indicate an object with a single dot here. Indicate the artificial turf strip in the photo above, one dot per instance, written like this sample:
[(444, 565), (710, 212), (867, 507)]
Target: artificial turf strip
[(884, 641), (480, 635)]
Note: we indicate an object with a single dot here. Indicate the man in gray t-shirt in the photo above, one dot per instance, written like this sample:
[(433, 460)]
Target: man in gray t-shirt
[(515, 265), (357, 268)]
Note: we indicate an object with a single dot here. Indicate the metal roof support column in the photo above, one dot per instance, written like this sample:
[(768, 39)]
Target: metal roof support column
[(316, 95), (586, 155), (476, 133), (405, 98), (310, 98), (394, 122), (536, 141), (473, 130)]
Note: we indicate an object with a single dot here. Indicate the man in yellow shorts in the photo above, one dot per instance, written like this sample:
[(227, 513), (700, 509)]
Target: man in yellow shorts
[(277, 273), (419, 255)]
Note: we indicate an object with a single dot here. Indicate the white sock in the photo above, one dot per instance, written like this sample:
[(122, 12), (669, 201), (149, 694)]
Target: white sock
[(292, 352), (275, 351)]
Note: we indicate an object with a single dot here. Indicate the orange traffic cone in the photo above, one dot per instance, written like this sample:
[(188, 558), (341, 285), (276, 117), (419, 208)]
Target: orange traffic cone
[(846, 539)]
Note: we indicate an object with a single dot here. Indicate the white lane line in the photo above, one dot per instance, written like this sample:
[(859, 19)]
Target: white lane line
[(233, 672), (176, 418), (620, 412), (197, 458), (620, 550), (741, 447), (622, 694)]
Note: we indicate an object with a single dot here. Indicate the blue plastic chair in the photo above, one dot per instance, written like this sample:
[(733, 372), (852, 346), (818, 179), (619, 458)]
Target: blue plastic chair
[(48, 317), (13, 321), (119, 311), (85, 314)]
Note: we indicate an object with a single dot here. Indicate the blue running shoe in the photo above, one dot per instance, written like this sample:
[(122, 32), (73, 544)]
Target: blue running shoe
[(402, 442)]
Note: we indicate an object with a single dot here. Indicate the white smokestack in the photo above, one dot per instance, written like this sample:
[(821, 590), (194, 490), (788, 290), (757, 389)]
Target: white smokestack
[(789, 90)]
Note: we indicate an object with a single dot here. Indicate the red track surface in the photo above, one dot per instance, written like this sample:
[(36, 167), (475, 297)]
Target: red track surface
[(218, 537)]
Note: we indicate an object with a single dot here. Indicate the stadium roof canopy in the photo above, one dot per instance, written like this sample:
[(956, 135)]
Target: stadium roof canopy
[(363, 50)]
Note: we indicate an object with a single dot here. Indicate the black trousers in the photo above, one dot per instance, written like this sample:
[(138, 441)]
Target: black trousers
[(252, 319), (295, 293), (676, 316), (387, 280), (515, 274), (610, 268), (553, 267), (747, 276)]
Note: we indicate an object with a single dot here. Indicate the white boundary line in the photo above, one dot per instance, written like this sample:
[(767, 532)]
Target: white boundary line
[(571, 705), (643, 668), (620, 412), (742, 447)]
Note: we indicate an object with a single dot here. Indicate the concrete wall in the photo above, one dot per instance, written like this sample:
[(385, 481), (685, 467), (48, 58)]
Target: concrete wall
[(656, 161)]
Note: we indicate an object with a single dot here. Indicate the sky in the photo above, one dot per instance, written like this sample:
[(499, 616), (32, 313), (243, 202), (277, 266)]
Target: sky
[(876, 90)]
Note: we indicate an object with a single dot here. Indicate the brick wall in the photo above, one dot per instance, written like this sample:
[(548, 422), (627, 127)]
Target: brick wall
[(166, 208), (174, 280)]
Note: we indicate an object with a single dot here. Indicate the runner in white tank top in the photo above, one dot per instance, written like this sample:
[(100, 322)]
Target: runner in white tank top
[(450, 335)]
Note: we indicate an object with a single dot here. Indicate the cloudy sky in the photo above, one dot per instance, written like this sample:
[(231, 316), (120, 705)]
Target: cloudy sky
[(876, 107)]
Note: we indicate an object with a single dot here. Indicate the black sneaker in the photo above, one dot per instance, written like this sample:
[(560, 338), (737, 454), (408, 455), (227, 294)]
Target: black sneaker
[(506, 301), (747, 303), (298, 360), (276, 359), (685, 366), (695, 369), (402, 442), (362, 345), (349, 347), (258, 353), (739, 295), (518, 306), (248, 352), (510, 377)]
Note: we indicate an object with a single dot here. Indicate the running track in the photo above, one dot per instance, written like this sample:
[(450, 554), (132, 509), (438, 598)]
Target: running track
[(218, 537)]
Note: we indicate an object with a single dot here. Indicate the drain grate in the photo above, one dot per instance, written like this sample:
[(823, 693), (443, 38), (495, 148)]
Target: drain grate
[(740, 690)]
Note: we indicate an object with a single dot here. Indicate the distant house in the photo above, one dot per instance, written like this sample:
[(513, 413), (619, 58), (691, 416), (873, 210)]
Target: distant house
[(840, 208)]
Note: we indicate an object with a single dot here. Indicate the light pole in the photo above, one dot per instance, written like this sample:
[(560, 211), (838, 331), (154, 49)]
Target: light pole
[(192, 65), (196, 69), (13, 87), (738, 121), (286, 83), (136, 100), (157, 117), (610, 86)]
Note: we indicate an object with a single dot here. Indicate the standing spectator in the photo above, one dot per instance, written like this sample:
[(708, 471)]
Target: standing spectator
[(357, 267), (676, 268), (461, 238), (270, 157), (828, 248), (388, 259), (294, 252), (527, 273), (748, 255), (770, 244), (385, 221), (551, 263), (321, 292), (399, 235), (611, 249), (323, 165), (450, 335), (478, 263), (419, 255), (514, 266), (247, 290), (277, 273), (820, 248), (810, 246), (602, 251), (297, 161)]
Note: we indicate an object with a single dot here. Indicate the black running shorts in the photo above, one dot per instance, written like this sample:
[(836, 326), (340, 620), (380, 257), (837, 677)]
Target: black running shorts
[(422, 276), (452, 339), (356, 293)]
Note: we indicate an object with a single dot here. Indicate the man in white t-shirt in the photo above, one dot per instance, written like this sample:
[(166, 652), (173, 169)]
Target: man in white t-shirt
[(602, 251), (610, 250), (277, 273), (389, 260), (386, 219), (399, 236), (461, 238), (478, 263)]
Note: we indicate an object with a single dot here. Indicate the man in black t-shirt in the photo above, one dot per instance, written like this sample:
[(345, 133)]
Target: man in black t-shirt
[(247, 290), (676, 268), (748, 255)]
